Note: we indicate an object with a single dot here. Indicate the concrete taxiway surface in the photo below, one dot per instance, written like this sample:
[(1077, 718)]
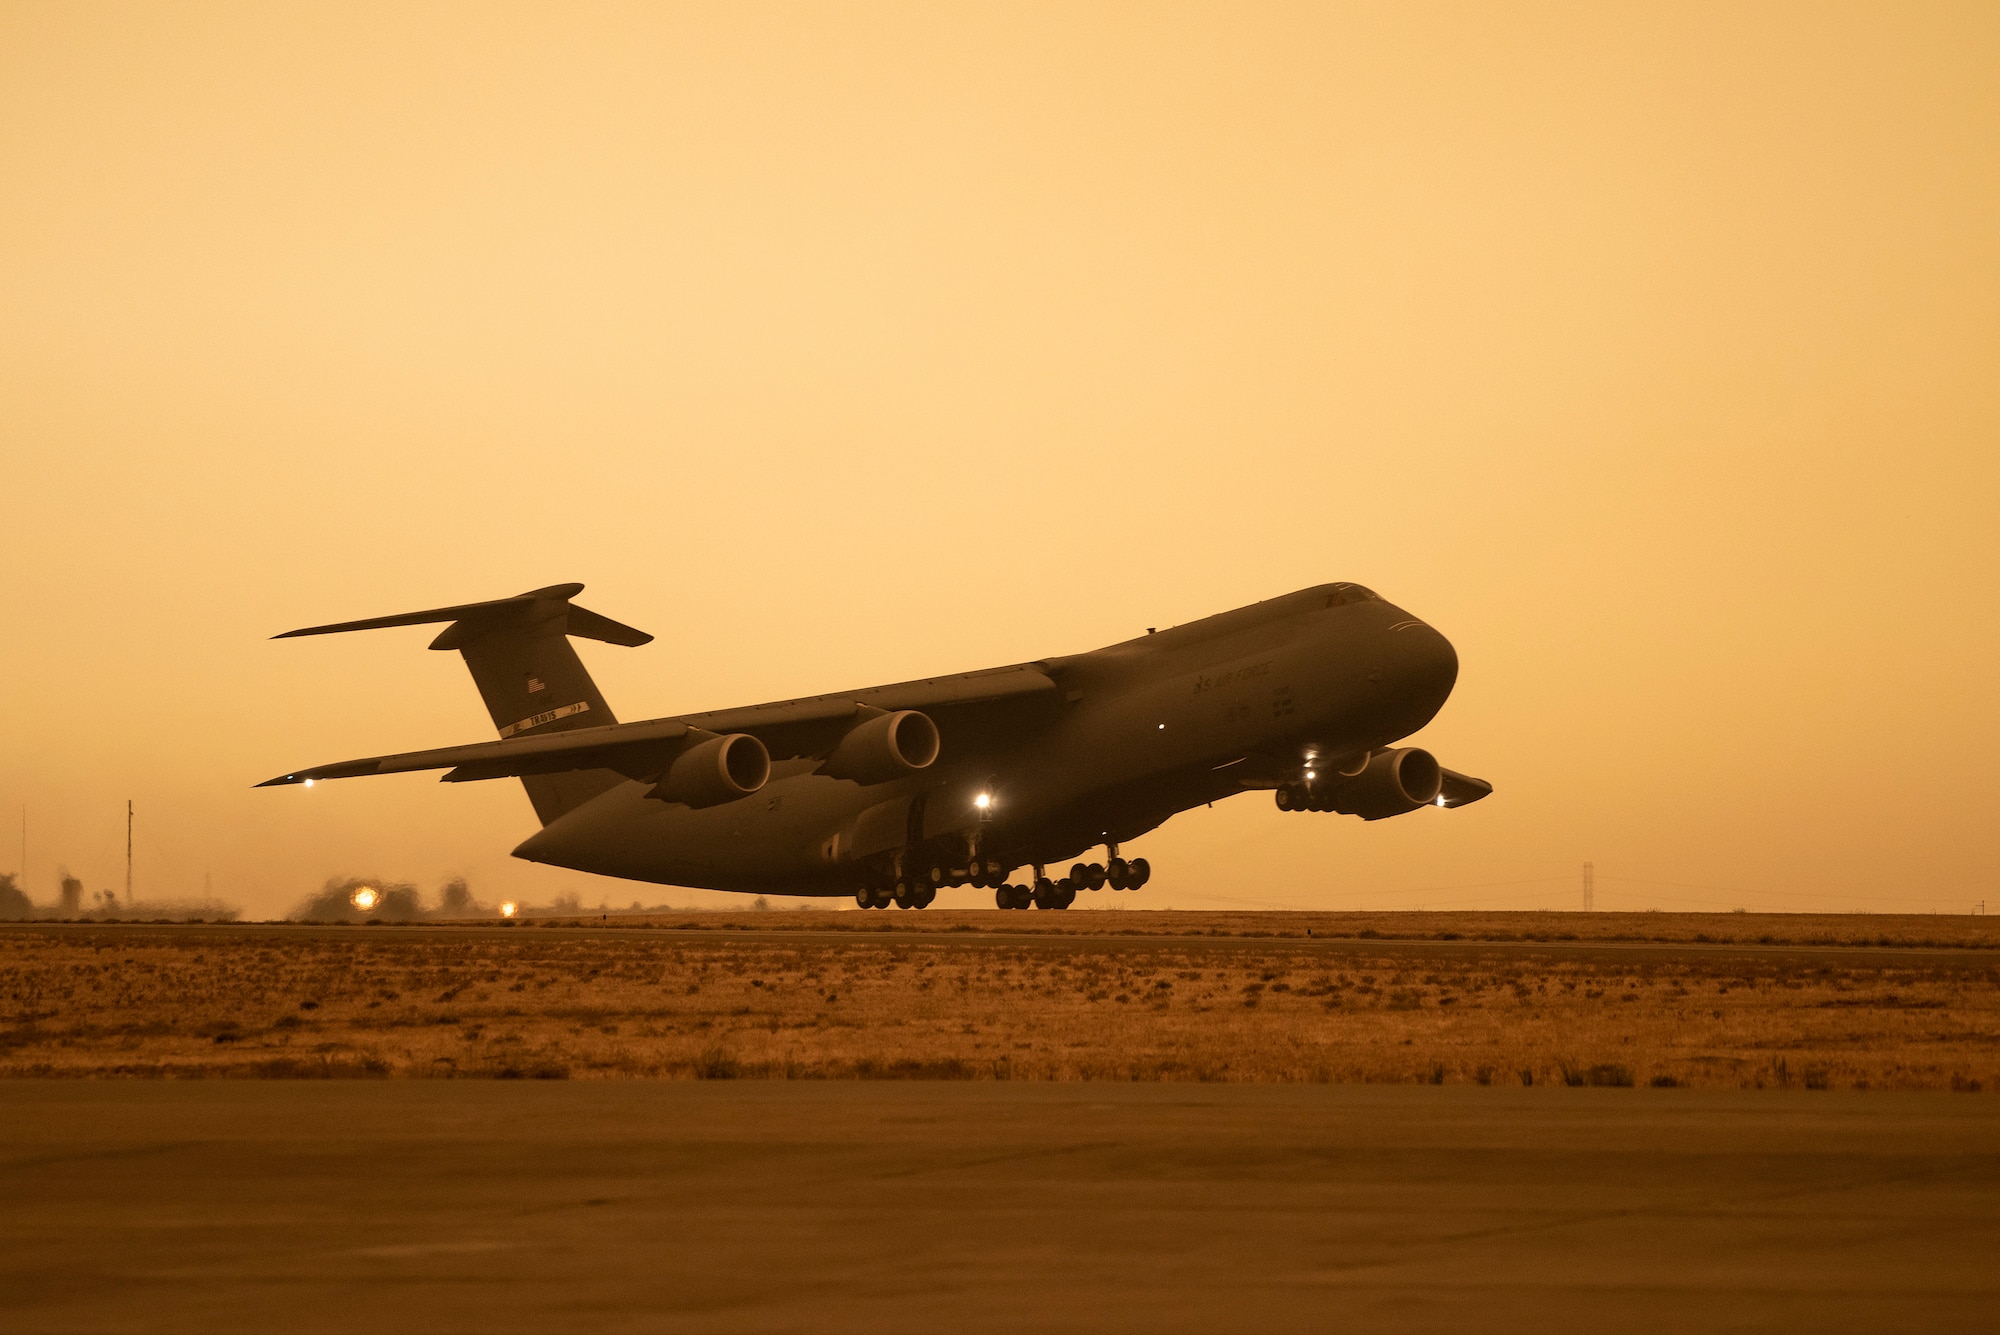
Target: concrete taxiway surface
[(722, 1206)]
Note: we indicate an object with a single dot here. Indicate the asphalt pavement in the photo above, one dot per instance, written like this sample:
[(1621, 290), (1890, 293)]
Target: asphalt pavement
[(724, 1206)]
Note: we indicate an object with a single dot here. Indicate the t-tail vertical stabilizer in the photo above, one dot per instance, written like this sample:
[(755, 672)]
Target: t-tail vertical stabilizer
[(519, 653)]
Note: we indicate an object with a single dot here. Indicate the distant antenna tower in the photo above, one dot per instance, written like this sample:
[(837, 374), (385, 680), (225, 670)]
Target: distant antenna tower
[(1589, 886), (128, 852)]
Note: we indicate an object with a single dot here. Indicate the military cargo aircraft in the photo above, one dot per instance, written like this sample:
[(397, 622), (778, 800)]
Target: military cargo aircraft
[(891, 792)]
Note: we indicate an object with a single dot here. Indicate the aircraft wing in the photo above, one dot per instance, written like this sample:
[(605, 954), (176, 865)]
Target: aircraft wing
[(804, 727), (620, 746), (641, 750)]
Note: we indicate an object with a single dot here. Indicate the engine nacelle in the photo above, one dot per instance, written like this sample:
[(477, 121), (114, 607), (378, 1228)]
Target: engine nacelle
[(1391, 783), (718, 770), (885, 747)]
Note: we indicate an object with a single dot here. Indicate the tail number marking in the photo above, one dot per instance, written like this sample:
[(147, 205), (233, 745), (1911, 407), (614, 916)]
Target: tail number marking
[(580, 707)]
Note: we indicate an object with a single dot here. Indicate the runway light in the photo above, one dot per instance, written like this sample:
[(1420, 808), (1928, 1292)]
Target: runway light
[(507, 909), (364, 899), (983, 801)]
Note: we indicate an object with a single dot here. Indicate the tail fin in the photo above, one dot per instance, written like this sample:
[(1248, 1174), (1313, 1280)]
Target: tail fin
[(531, 679)]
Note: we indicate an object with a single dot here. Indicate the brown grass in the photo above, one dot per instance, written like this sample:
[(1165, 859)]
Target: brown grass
[(1232, 998)]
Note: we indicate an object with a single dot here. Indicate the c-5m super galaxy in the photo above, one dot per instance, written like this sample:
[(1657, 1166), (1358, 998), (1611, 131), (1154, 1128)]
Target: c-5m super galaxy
[(892, 792)]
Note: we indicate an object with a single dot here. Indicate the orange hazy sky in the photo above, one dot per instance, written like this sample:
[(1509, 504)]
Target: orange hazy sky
[(1652, 352)]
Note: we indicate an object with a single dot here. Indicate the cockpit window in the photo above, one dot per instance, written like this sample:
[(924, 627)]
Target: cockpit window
[(1343, 594)]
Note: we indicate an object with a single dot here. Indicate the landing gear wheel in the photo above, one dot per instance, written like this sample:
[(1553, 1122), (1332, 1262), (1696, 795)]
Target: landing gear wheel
[(1287, 797), (1117, 873), (865, 897), (1067, 897), (1140, 873), (1093, 877), (905, 895), (923, 900)]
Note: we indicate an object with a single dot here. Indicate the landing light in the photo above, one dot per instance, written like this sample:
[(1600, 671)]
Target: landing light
[(983, 801), (1440, 799), (364, 899), (507, 909), (309, 783)]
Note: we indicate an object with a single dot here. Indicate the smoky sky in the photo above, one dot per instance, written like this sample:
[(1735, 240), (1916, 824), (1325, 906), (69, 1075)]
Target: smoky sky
[(1646, 351)]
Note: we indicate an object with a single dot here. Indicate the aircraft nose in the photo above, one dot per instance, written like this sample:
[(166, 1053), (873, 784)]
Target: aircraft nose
[(1427, 662)]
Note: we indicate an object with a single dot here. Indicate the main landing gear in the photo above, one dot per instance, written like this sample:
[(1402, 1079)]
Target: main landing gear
[(917, 889), (904, 894), (1118, 873)]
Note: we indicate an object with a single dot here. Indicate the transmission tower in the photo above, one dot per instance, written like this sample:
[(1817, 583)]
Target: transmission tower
[(1589, 886)]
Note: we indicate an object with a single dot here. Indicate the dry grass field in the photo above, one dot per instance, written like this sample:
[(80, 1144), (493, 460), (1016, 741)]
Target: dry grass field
[(1507, 999)]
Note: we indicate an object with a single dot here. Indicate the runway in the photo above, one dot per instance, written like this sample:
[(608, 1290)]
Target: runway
[(834, 1206), (960, 933)]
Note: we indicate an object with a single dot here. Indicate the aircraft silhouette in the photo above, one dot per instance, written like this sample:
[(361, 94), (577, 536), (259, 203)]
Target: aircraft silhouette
[(891, 792)]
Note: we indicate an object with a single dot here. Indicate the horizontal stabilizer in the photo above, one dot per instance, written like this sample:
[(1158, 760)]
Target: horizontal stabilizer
[(637, 750), (1459, 789), (581, 621)]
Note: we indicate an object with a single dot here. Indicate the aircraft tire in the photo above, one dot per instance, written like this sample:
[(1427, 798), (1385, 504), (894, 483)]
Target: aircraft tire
[(1287, 797), (1093, 876), (1142, 872), (924, 899), (865, 897), (1068, 898), (1117, 873), (1003, 898)]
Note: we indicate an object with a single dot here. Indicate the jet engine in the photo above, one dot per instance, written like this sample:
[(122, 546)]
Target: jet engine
[(718, 770), (885, 747), (1391, 783)]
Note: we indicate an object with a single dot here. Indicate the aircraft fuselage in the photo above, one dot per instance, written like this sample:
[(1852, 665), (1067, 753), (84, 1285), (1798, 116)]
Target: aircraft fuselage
[(1132, 734)]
